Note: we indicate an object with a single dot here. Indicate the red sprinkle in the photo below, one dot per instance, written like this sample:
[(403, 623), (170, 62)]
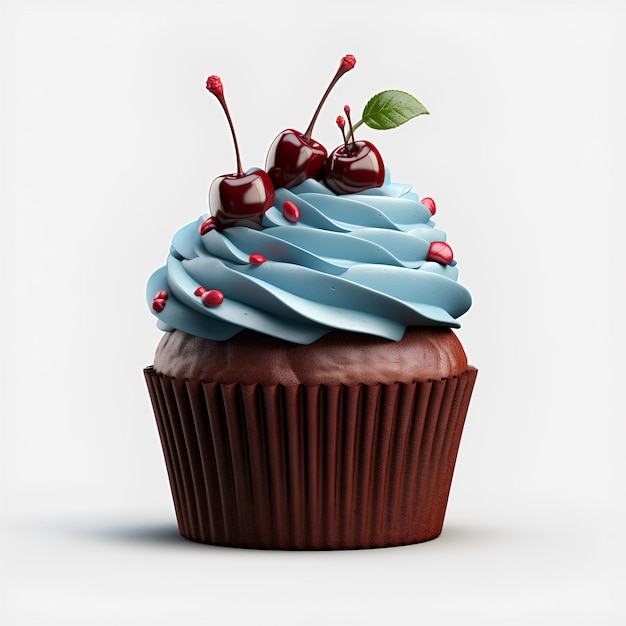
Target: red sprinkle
[(208, 225), (199, 291), (441, 252), (257, 259), (290, 211), (162, 295), (429, 203), (213, 297), (158, 304)]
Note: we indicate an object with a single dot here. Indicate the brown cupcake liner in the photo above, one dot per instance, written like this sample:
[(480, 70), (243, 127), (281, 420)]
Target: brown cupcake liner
[(310, 467)]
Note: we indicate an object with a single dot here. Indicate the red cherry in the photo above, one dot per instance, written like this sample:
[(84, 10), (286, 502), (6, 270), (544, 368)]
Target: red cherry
[(208, 225), (199, 291), (294, 156), (441, 252), (237, 199), (290, 211), (257, 259), (158, 304), (355, 166), (292, 159), (241, 199), (213, 297), (429, 203)]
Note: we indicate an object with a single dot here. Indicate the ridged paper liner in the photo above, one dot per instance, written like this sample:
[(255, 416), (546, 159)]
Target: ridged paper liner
[(310, 467)]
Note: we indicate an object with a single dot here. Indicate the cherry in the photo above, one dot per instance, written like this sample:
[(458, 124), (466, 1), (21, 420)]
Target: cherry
[(355, 166), (294, 156), (238, 199)]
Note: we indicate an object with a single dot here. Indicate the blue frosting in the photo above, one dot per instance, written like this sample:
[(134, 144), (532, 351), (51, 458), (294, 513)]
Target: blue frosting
[(355, 262)]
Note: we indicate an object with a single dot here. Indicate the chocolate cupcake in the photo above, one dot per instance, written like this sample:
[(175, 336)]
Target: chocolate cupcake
[(309, 390)]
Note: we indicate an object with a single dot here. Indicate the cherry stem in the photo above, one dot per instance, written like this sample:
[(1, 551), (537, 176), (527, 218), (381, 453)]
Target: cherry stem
[(214, 85), (342, 125), (346, 110), (347, 63), (353, 128)]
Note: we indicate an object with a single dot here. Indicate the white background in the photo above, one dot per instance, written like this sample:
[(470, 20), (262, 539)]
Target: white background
[(109, 142)]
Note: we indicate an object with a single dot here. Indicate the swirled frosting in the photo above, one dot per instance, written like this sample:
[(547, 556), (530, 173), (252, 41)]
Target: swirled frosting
[(356, 262)]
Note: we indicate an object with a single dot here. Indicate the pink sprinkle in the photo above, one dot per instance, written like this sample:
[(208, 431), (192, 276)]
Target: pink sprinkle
[(158, 304), (213, 297), (199, 291), (208, 225), (441, 252), (290, 211), (429, 203), (257, 259)]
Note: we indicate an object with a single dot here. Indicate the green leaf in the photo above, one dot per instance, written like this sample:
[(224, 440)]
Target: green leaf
[(391, 108)]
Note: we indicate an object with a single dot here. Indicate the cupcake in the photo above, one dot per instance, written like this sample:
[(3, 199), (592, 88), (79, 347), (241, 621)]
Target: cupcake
[(309, 390)]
